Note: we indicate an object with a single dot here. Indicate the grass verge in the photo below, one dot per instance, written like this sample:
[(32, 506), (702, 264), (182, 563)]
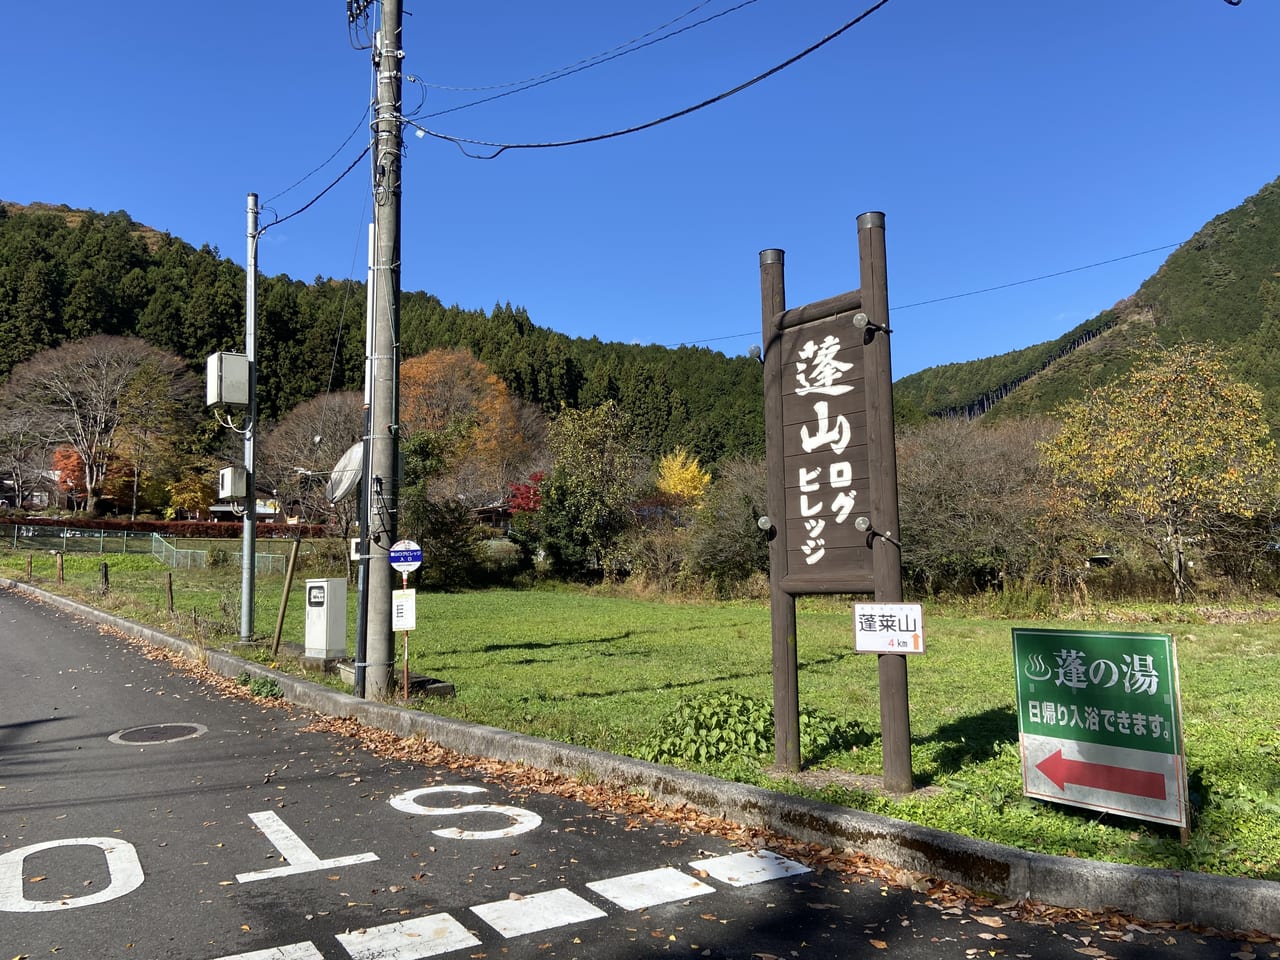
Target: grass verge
[(607, 672)]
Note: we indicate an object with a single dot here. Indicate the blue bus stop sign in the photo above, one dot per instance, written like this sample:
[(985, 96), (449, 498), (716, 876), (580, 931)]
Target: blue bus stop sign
[(405, 556)]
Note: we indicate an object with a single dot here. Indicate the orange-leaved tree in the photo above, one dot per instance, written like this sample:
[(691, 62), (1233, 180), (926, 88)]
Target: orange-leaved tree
[(480, 437)]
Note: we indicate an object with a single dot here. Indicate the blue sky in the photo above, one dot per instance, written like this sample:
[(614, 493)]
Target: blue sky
[(1003, 140)]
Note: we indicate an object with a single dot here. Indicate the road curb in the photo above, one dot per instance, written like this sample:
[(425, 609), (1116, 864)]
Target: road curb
[(1200, 899)]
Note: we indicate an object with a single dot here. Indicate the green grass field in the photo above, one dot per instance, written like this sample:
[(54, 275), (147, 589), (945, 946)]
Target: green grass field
[(607, 671)]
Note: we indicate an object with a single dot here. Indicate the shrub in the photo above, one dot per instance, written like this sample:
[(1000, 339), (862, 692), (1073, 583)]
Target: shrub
[(727, 727), (267, 687), (726, 546)]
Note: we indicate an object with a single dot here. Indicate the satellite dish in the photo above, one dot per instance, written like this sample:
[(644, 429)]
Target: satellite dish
[(345, 476)]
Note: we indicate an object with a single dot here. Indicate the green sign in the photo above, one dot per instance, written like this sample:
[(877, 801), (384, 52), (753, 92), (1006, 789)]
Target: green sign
[(1099, 721)]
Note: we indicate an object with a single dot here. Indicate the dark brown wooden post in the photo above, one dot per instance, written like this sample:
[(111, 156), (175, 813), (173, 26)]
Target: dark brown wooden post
[(58, 561), (284, 597), (782, 605), (104, 577), (895, 722), (168, 589)]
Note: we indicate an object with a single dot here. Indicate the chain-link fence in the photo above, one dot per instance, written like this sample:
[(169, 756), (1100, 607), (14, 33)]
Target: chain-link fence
[(43, 537), (21, 536)]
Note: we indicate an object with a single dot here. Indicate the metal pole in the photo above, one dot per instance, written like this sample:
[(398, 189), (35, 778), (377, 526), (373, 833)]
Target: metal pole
[(249, 546), (895, 721), (384, 413), (362, 510), (782, 605)]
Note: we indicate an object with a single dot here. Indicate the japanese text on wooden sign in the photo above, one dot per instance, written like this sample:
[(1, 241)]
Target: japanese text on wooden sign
[(825, 460)]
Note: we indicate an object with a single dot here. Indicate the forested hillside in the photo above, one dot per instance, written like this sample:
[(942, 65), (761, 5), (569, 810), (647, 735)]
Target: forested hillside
[(68, 274), (1221, 287)]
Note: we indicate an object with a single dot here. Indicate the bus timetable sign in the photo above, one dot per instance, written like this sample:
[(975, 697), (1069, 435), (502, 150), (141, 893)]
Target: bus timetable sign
[(1099, 722)]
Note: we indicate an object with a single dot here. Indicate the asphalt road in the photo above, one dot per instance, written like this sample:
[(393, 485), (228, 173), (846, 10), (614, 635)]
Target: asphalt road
[(147, 813)]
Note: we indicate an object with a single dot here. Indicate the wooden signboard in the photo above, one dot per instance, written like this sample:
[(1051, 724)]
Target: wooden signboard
[(832, 473)]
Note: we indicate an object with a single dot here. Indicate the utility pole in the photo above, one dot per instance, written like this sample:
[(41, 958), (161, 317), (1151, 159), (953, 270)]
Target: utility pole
[(248, 549), (383, 367)]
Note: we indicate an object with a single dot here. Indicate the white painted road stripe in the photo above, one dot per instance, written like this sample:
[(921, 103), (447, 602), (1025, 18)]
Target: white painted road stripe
[(295, 951), (302, 859), (536, 912), (637, 891), (424, 937), (744, 869), (409, 939)]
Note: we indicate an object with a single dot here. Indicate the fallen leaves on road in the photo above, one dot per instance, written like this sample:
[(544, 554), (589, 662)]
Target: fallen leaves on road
[(618, 798)]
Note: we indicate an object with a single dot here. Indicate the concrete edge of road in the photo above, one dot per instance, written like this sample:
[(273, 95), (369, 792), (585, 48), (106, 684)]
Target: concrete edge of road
[(1200, 899)]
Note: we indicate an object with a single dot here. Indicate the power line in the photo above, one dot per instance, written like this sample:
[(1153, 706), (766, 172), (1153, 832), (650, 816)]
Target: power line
[(500, 148), (307, 176), (278, 220), (590, 62), (585, 61), (971, 293), (1047, 276)]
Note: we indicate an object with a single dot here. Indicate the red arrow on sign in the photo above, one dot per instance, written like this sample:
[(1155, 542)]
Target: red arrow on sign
[(1099, 776)]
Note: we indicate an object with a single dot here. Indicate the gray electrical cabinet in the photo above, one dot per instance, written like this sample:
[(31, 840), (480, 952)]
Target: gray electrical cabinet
[(326, 637), (227, 379)]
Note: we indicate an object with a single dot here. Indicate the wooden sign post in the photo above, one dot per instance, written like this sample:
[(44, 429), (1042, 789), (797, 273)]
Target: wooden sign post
[(832, 475)]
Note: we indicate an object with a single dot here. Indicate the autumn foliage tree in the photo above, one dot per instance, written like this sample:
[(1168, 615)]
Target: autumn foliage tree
[(192, 492), (477, 435), (68, 468), (1177, 447), (85, 395), (681, 478)]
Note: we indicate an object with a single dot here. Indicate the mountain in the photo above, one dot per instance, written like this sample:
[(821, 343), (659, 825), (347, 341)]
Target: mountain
[(1222, 286), (67, 274)]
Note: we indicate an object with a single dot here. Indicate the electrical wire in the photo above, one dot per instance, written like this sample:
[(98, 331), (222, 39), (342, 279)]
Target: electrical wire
[(306, 206), (573, 66), (463, 142), (363, 121), (587, 65), (971, 293), (1047, 276)]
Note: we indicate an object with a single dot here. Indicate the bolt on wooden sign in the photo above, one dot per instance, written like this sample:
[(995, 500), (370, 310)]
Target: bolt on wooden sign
[(1099, 721)]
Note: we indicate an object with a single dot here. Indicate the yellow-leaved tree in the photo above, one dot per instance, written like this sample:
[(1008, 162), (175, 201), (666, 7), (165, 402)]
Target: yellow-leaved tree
[(1177, 446), (682, 478), (193, 492)]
